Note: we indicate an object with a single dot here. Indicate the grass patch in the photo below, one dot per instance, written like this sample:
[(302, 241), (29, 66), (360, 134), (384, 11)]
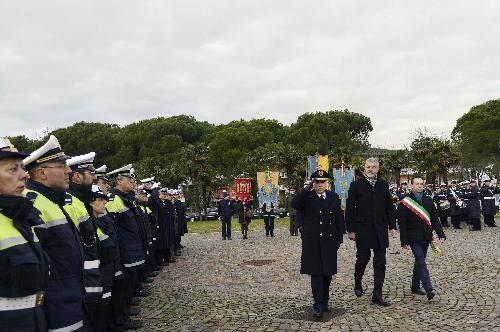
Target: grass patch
[(214, 226)]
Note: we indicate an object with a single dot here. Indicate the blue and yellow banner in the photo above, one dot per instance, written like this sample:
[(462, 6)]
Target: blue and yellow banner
[(316, 162), (268, 192), (342, 178)]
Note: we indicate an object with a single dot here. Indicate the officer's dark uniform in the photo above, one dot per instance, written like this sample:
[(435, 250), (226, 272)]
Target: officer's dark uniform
[(464, 214), (453, 198), (180, 211), (124, 211), (294, 230), (438, 199), (488, 205), (60, 240), (323, 230), (225, 211), (23, 264), (165, 220), (474, 207), (269, 216)]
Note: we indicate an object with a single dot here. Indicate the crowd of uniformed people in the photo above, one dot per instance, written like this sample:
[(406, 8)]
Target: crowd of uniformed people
[(460, 203), (79, 245)]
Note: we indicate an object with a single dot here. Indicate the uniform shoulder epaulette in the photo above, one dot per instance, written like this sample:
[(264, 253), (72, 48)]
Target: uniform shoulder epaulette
[(111, 197), (68, 199), (31, 195)]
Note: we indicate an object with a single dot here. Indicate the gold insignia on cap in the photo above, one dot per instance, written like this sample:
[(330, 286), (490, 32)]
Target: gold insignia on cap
[(320, 172)]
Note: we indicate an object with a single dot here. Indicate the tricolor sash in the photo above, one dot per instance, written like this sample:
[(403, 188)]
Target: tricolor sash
[(418, 209)]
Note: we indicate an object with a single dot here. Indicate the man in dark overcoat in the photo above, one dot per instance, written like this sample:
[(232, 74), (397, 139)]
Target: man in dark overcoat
[(322, 233), (369, 215), (474, 206)]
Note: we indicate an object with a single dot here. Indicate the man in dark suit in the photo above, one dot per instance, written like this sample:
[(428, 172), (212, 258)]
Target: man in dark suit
[(369, 215), (417, 217), (225, 211), (322, 233)]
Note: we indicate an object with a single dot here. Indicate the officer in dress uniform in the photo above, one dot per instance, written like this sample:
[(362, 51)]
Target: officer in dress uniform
[(58, 235), (123, 209), (474, 205), (462, 193), (180, 211), (452, 194), (323, 231), (442, 204), (225, 211), (269, 216), (97, 245), (102, 180), (488, 203), (402, 191), (23, 264)]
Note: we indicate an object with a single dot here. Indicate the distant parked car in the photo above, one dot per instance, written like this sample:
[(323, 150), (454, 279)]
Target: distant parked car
[(280, 212), (193, 216), (257, 214), (210, 214)]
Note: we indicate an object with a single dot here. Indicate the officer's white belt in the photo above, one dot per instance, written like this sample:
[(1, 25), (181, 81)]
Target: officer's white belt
[(489, 197), (106, 295), (93, 289), (69, 328), (134, 264), (118, 273), (87, 265), (17, 303)]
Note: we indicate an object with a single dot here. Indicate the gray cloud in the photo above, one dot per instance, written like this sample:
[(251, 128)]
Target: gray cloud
[(402, 64)]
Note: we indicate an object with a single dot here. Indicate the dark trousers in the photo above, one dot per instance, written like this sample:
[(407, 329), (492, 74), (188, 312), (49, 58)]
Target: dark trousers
[(89, 320), (444, 221), (320, 286), (121, 294), (269, 225), (362, 259), (226, 227), (476, 223), (489, 220), (420, 271), (455, 221), (103, 312), (294, 230)]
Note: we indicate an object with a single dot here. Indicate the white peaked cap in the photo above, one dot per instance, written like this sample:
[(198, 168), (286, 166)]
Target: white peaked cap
[(50, 151), (127, 170), (82, 161)]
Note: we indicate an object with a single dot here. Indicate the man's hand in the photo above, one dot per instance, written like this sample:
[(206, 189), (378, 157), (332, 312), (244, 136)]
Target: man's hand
[(351, 236), (392, 232)]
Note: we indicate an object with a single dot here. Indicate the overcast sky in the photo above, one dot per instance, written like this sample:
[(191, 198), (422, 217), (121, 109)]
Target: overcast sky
[(403, 64)]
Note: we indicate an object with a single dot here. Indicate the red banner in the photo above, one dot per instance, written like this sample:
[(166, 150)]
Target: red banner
[(243, 189)]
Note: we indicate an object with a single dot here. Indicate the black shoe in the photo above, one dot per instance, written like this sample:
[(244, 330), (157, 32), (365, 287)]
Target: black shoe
[(358, 291), (134, 311), (430, 295), (272, 235), (381, 302), (132, 324), (245, 237), (493, 225), (148, 280), (177, 253), (317, 313), (181, 246), (326, 308), (417, 291), (229, 238), (154, 273)]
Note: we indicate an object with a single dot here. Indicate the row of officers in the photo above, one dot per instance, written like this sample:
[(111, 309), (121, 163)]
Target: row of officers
[(462, 202), (78, 246)]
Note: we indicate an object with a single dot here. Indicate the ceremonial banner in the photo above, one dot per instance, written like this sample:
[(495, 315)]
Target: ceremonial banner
[(342, 180), (243, 189), (268, 192), (316, 162)]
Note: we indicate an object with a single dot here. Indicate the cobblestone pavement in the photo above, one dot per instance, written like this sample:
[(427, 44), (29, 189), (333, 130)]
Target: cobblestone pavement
[(255, 285)]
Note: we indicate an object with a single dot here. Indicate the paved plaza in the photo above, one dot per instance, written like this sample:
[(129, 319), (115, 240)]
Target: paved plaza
[(255, 285)]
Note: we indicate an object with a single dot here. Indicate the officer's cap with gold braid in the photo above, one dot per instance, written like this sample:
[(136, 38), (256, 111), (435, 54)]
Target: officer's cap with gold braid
[(7, 150), (101, 172), (151, 179), (50, 151), (82, 163), (320, 175), (127, 171)]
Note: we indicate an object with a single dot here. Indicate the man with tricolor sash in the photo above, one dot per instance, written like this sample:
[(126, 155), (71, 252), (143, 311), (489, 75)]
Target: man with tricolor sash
[(417, 218)]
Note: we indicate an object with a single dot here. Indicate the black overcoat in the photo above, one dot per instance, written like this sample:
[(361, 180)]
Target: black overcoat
[(323, 230), (369, 213), (412, 229), (473, 205), (488, 201)]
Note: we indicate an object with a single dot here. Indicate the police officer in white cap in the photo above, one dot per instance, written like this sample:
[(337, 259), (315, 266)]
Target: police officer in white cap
[(102, 180), (47, 185), (123, 209)]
